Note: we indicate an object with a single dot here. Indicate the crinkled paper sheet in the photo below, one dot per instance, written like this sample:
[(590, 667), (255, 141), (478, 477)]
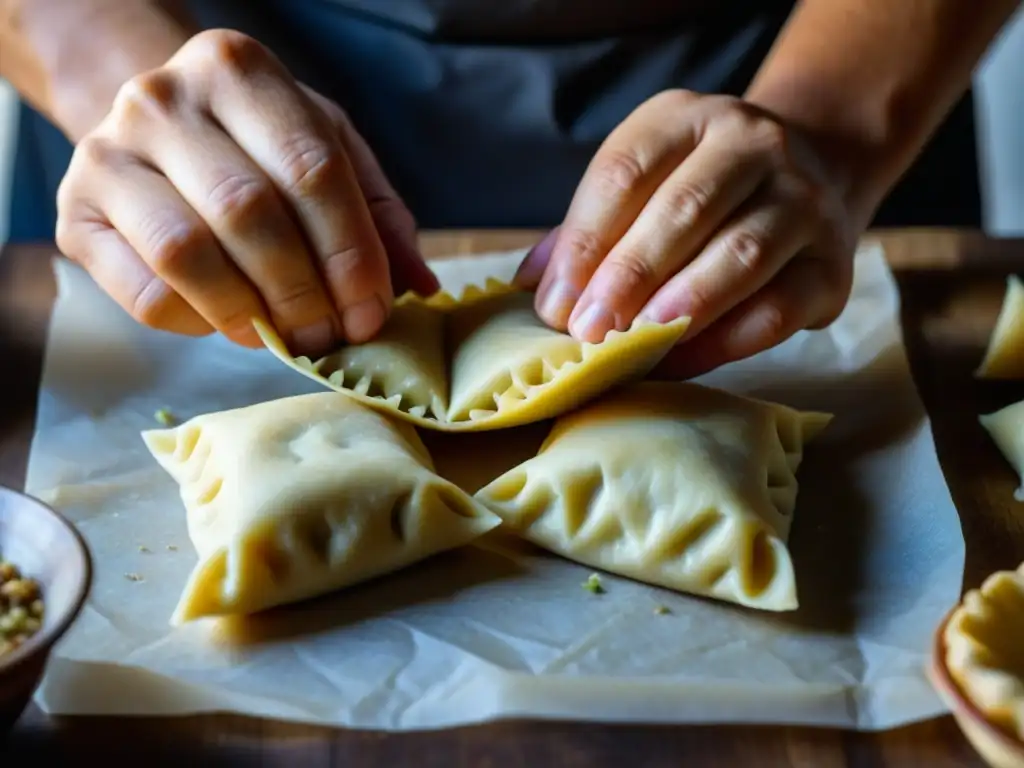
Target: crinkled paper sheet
[(503, 630)]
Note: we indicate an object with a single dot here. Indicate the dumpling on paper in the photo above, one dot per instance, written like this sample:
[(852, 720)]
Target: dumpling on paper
[(673, 484), (1006, 428), (1004, 358), (294, 498)]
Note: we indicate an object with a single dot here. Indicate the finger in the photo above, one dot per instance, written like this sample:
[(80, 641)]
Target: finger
[(394, 222), (736, 263), (247, 215), (531, 270), (671, 229), (800, 297), (176, 244), (261, 107), (630, 165), (124, 276)]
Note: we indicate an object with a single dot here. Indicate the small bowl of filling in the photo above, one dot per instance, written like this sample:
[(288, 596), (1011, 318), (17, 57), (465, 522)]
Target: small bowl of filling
[(978, 667), (45, 575)]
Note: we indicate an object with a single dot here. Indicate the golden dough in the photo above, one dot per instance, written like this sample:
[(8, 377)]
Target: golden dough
[(1006, 428), (673, 484), (295, 498), (984, 641), (480, 361), (1004, 358)]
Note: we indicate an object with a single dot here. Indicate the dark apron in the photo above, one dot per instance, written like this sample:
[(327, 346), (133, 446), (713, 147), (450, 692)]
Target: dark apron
[(485, 113)]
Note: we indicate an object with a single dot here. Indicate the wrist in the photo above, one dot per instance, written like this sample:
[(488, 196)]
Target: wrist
[(855, 140), (85, 71)]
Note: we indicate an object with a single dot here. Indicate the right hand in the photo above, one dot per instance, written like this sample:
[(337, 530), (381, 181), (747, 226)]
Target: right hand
[(218, 190)]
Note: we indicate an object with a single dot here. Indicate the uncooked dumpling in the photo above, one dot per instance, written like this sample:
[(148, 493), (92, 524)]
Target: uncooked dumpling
[(1006, 427), (672, 484), (1004, 358), (984, 641), (481, 360), (295, 498)]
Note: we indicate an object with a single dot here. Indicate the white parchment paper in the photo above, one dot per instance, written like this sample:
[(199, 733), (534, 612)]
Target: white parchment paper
[(501, 629)]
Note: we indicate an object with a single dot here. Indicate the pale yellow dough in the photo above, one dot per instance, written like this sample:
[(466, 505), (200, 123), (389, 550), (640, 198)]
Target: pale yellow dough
[(673, 484), (984, 641), (295, 498), (1006, 427), (1004, 358), (481, 360)]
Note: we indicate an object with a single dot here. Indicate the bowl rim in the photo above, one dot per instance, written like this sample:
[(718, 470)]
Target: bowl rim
[(944, 681), (41, 642)]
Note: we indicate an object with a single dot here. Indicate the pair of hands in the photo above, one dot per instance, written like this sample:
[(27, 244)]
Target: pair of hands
[(219, 189)]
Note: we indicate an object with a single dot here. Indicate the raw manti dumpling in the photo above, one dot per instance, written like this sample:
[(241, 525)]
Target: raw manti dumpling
[(1004, 358), (673, 484), (985, 649), (298, 497), (1006, 428), (480, 360)]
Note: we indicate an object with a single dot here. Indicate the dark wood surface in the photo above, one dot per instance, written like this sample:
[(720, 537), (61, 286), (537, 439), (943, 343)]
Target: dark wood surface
[(951, 285)]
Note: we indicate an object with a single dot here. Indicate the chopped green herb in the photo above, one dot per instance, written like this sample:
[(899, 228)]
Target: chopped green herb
[(171, 548), (593, 584), (165, 417), (133, 577), (143, 548), (661, 610)]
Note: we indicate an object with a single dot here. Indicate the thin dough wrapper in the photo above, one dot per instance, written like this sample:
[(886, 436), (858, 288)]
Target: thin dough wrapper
[(294, 498), (673, 484), (1004, 358), (1006, 428), (506, 367)]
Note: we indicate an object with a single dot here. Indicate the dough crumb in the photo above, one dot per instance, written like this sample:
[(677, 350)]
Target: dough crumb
[(165, 417), (593, 584)]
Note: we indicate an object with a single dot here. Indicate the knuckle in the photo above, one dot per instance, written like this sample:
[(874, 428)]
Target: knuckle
[(151, 95), (345, 263), (582, 247), (308, 164), (773, 321), (772, 137), (747, 250), (92, 152), (617, 174), (171, 245), (685, 204), (152, 305), (631, 272), (238, 199), (673, 99), (230, 50), (298, 300)]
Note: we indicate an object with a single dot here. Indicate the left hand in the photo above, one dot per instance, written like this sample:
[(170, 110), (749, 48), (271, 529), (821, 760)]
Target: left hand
[(700, 206)]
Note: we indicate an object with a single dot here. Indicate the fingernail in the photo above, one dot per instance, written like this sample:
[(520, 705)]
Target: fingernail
[(363, 320), (593, 324), (557, 303), (313, 339)]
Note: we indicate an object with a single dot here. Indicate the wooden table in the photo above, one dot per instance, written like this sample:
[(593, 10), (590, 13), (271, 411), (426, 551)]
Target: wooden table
[(952, 285)]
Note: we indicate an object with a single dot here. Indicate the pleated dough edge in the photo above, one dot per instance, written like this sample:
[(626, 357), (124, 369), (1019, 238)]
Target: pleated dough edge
[(629, 353)]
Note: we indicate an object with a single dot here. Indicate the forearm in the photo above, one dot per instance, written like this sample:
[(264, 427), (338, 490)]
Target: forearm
[(871, 80), (68, 58)]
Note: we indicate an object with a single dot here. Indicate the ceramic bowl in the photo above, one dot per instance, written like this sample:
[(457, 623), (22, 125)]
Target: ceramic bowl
[(46, 547), (996, 746)]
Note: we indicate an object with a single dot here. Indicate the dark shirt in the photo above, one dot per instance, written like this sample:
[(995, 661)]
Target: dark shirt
[(485, 113)]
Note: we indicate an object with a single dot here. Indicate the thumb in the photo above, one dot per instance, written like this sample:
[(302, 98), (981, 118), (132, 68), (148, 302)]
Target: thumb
[(532, 269)]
